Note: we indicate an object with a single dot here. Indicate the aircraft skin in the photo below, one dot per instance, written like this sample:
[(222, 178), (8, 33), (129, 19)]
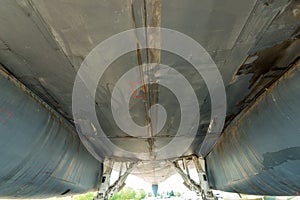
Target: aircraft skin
[(45, 149)]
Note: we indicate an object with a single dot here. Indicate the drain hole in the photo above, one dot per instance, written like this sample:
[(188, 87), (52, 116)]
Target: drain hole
[(65, 192)]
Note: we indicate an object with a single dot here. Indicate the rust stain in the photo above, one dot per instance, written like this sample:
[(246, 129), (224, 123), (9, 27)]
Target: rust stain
[(7, 115), (293, 9), (152, 59)]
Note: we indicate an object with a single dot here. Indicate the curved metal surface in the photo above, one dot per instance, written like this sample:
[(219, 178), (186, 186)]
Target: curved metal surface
[(43, 43), (40, 154), (260, 152)]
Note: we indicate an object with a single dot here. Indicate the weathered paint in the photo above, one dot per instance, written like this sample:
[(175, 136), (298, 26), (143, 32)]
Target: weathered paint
[(259, 153), (43, 43), (40, 154)]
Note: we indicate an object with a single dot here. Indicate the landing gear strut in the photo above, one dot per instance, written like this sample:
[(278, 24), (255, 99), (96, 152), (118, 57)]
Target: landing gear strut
[(106, 190), (202, 188)]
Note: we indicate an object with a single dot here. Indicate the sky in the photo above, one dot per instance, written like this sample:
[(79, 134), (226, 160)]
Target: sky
[(174, 183)]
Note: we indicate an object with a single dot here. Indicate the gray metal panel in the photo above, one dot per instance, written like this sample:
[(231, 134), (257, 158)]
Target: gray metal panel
[(259, 153), (43, 43), (40, 154), (33, 56)]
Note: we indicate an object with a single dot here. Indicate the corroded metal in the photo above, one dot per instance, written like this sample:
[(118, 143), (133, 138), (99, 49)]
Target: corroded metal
[(40, 154), (43, 43), (259, 153)]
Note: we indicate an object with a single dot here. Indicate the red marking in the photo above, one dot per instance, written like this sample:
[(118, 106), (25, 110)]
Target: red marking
[(8, 114), (135, 95), (297, 193)]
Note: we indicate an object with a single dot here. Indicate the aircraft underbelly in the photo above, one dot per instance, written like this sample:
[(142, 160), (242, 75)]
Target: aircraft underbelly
[(254, 44)]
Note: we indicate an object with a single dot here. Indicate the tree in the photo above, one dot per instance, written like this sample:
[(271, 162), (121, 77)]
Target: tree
[(149, 194), (171, 193), (141, 194), (129, 194), (88, 196), (178, 194)]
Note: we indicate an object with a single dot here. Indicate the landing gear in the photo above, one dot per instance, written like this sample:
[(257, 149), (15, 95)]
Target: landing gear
[(105, 189), (202, 188), (208, 196)]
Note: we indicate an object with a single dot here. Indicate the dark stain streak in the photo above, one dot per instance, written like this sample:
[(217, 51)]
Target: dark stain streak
[(269, 66), (16, 54), (48, 97), (30, 11), (296, 34), (273, 159), (5, 44), (266, 61)]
